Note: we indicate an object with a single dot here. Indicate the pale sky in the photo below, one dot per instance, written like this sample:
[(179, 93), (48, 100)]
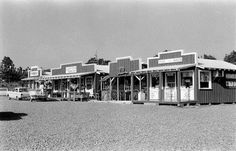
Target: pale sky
[(49, 32)]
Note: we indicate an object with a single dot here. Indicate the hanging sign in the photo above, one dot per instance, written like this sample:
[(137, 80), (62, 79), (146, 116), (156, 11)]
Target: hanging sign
[(231, 84), (71, 69), (230, 76), (230, 80)]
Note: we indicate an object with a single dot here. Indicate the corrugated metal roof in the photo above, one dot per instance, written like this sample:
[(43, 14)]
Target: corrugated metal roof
[(165, 68), (215, 64)]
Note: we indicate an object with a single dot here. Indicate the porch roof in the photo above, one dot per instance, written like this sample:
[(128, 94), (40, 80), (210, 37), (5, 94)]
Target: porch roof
[(165, 68), (215, 64), (65, 76), (30, 78)]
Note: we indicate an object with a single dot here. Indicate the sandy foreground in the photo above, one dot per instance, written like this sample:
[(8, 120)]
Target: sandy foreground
[(106, 126)]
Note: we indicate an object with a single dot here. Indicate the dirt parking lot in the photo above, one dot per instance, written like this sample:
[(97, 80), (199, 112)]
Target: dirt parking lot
[(28, 125)]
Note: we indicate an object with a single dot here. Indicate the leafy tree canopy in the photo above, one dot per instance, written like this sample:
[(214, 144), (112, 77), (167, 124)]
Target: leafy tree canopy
[(9, 73), (98, 61), (205, 56), (231, 57)]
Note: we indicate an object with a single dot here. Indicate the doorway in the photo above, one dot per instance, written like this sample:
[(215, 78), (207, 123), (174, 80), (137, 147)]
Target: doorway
[(170, 91)]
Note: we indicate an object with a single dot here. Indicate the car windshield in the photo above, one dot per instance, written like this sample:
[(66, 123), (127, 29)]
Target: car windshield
[(23, 90)]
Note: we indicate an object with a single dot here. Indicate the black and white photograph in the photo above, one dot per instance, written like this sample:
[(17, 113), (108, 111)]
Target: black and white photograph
[(117, 75)]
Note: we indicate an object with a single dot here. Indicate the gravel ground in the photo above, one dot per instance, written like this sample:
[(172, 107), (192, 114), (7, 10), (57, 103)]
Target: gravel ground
[(106, 126)]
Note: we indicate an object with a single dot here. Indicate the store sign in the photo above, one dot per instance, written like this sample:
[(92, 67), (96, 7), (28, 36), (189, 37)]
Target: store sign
[(230, 76), (71, 69), (172, 60), (230, 80), (34, 73), (231, 84), (122, 70)]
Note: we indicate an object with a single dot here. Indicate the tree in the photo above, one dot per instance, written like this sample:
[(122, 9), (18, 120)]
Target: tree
[(209, 57), (100, 61), (9, 73), (7, 69), (231, 57)]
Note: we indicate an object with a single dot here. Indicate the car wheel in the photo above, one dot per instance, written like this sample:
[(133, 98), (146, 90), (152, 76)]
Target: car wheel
[(9, 98)]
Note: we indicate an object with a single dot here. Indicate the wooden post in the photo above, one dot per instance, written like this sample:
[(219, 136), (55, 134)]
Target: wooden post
[(110, 88), (178, 87), (148, 86), (118, 91), (140, 85), (101, 87), (161, 86), (132, 87), (124, 90), (94, 86), (68, 92), (195, 84), (80, 89)]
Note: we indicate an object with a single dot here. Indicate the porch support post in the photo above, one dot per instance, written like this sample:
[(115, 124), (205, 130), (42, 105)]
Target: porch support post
[(101, 87), (110, 89), (94, 85), (178, 87), (68, 92), (60, 85), (132, 87), (195, 84), (118, 91), (161, 86), (79, 85), (148, 86)]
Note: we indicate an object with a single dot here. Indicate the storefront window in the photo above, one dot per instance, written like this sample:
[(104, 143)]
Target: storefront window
[(89, 81), (56, 87), (154, 80), (187, 79), (205, 79), (170, 80)]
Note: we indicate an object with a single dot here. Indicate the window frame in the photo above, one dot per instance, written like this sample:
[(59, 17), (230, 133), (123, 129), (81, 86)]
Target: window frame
[(192, 71), (86, 83), (210, 79)]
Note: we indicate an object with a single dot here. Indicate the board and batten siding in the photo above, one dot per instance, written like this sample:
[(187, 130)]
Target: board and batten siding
[(80, 68), (186, 59), (218, 94), (127, 64)]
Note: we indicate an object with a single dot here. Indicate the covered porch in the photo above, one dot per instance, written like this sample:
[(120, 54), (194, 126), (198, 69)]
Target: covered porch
[(80, 86)]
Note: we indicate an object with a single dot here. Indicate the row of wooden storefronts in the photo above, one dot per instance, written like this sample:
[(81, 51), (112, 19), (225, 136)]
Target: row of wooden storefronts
[(172, 77)]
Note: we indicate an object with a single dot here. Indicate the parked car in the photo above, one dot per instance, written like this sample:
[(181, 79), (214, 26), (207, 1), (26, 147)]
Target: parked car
[(3, 91), (19, 93), (37, 95)]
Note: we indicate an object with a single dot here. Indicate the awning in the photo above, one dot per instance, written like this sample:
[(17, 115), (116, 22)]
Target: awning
[(30, 78), (65, 76), (165, 68)]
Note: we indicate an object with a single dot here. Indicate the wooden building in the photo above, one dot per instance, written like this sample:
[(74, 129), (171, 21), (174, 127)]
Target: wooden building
[(174, 77), (34, 75), (81, 80), (120, 84)]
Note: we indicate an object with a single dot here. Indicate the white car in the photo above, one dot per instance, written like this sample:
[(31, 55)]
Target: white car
[(19, 93), (3, 91)]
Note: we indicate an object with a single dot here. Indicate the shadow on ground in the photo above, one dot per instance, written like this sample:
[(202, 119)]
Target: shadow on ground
[(7, 116)]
